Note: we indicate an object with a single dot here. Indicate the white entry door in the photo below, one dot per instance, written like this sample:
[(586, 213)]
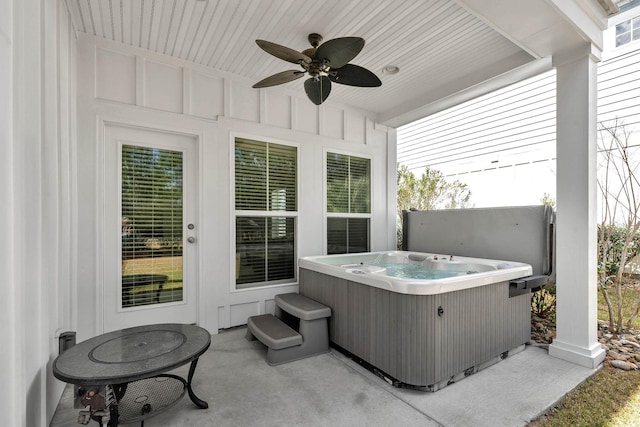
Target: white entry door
[(151, 228)]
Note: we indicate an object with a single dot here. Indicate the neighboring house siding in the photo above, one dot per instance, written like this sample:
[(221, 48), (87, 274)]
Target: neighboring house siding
[(619, 89), (513, 122), (508, 137)]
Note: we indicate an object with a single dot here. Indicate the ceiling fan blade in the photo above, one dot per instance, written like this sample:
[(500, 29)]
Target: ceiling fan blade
[(318, 90), (279, 78), (354, 75), (340, 51), (283, 52)]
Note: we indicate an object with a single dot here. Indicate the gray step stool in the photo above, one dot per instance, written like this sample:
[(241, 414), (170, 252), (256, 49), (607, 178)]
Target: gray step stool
[(299, 329)]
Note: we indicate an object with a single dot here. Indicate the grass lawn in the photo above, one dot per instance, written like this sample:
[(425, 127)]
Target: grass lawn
[(611, 397), (168, 266)]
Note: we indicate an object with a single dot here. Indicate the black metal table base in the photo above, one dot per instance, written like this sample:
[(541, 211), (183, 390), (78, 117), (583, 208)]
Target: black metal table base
[(147, 411), (195, 399)]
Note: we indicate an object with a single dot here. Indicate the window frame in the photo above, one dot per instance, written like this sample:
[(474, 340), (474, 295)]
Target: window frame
[(234, 213), (327, 214), (632, 29)]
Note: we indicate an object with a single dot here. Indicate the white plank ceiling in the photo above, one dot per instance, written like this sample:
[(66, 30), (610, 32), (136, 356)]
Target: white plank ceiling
[(439, 46)]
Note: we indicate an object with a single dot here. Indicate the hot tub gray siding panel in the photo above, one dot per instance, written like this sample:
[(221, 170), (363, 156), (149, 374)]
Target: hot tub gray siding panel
[(403, 336)]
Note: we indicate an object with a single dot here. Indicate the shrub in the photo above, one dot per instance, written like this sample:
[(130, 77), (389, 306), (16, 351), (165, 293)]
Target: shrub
[(543, 302)]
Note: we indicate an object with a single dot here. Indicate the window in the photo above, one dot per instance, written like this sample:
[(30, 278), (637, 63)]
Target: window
[(152, 202), (628, 31), (265, 213), (348, 203)]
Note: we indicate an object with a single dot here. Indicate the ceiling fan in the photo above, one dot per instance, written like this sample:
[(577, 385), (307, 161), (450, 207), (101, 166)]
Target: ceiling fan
[(327, 62)]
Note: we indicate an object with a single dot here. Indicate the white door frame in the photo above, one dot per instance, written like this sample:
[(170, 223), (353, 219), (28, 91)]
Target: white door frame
[(101, 214)]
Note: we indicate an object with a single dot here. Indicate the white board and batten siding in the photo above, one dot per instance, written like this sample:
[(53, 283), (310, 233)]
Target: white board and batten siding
[(139, 78), (126, 85)]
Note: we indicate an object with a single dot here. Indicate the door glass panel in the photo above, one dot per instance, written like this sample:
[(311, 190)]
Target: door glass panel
[(152, 212)]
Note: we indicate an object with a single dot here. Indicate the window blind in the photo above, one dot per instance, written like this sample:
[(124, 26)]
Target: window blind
[(347, 235), (359, 185), (265, 176), (348, 184), (152, 202), (348, 199)]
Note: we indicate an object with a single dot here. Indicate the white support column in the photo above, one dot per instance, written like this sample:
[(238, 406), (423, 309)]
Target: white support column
[(12, 391), (576, 222)]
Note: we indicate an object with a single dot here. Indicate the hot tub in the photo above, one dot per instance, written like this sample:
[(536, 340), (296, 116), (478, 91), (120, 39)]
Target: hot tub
[(420, 320)]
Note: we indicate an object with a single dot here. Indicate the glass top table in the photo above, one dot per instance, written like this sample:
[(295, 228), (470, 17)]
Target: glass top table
[(103, 367)]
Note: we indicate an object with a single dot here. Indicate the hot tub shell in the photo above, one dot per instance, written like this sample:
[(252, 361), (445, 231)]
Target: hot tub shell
[(423, 340)]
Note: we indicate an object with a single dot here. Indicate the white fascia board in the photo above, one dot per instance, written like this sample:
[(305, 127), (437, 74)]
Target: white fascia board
[(587, 17), (541, 28)]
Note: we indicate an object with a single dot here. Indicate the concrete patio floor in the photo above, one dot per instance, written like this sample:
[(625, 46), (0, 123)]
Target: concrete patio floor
[(332, 390)]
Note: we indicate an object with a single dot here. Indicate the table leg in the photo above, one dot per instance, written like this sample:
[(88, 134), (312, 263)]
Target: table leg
[(159, 291), (113, 416), (195, 399), (119, 390)]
